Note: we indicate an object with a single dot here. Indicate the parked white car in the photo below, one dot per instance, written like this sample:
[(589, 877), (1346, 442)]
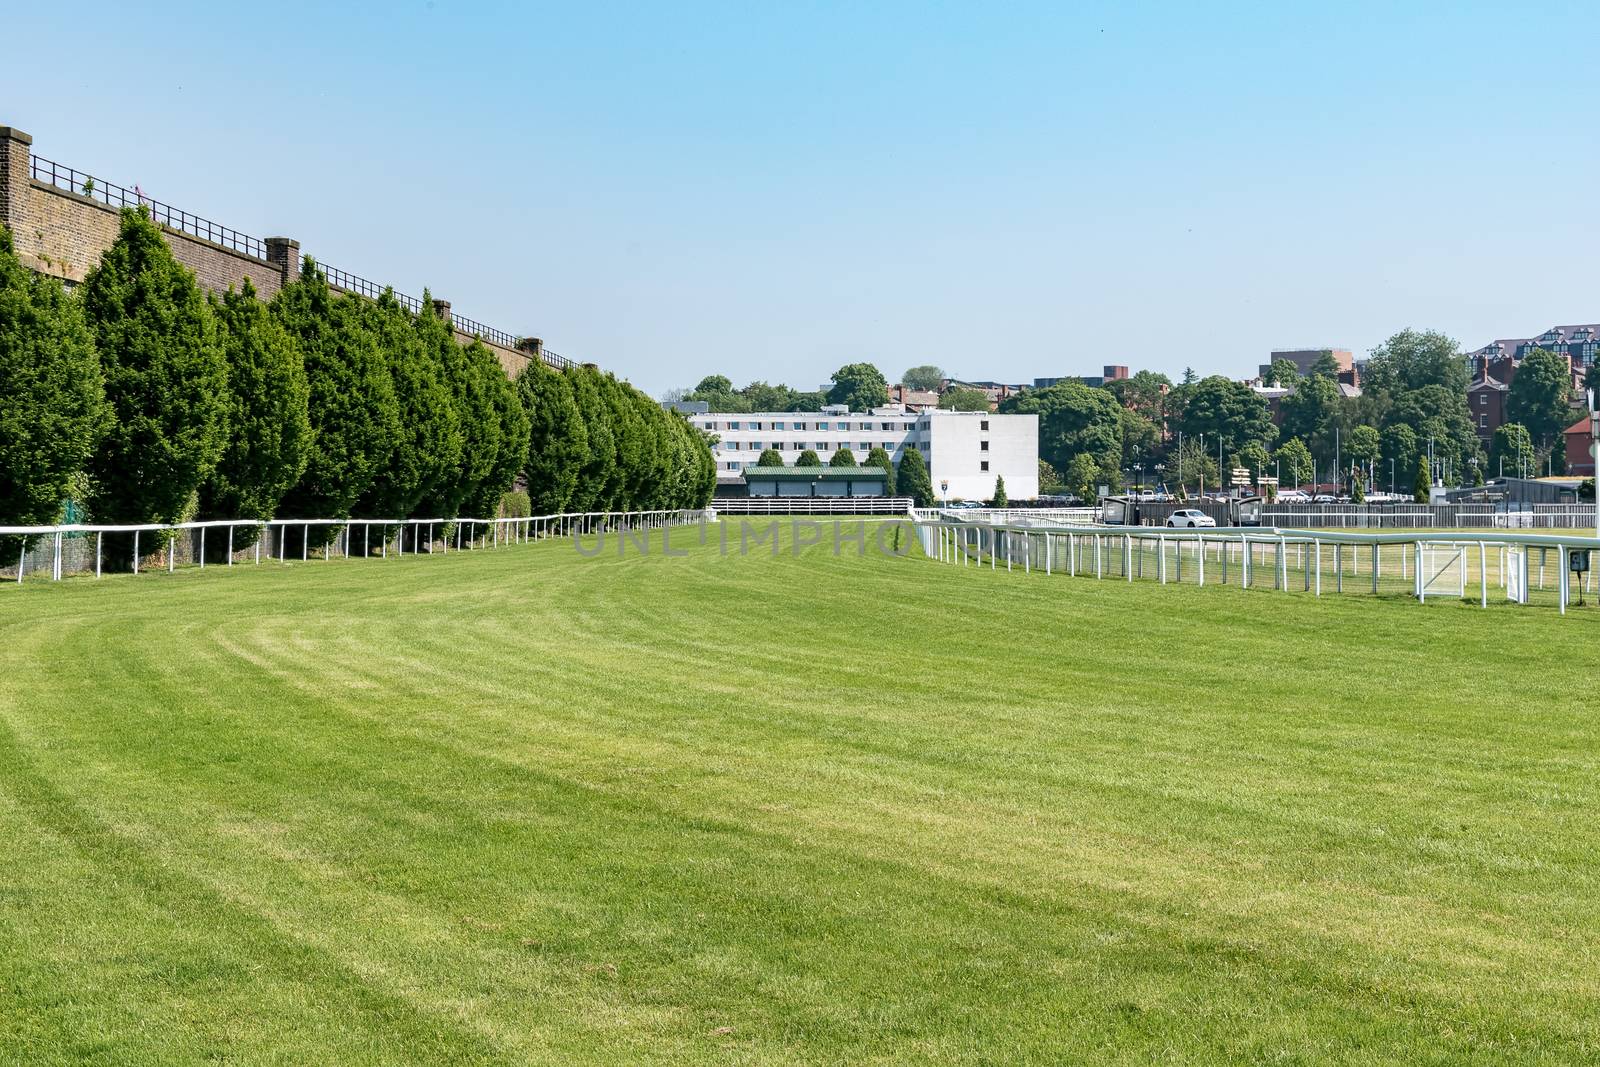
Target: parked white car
[(1190, 517)]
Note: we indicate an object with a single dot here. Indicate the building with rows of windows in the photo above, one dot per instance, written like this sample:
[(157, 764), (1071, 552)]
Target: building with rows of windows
[(965, 450)]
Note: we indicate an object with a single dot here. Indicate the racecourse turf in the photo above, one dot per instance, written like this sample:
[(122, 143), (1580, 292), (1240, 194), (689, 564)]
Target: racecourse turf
[(521, 805)]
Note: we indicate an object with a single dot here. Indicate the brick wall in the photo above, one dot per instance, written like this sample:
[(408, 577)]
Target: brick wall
[(64, 233)]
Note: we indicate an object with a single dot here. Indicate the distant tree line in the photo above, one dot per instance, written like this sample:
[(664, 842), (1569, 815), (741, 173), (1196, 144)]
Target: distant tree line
[(139, 399)]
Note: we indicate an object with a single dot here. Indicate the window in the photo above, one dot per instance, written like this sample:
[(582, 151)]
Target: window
[(983, 465), (1483, 422), (733, 466), (866, 446), (1483, 399), (822, 446), (777, 426), (755, 446), (733, 425), (983, 425), (799, 425), (983, 446), (732, 446), (755, 426)]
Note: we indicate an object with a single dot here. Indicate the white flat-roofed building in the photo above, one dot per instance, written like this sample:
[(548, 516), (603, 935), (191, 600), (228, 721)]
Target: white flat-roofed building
[(965, 450)]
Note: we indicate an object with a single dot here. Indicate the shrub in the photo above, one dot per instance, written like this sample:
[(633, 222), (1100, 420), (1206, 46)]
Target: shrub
[(999, 492), (165, 379), (1420, 484), (514, 505), (843, 458), (770, 457), (52, 399), (808, 458)]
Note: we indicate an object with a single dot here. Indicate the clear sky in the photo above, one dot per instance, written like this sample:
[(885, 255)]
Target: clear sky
[(772, 190)]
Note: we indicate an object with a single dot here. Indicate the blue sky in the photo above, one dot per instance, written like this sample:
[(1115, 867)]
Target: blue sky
[(769, 191)]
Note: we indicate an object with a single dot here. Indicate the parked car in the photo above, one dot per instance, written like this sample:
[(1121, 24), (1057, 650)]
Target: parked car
[(1190, 517)]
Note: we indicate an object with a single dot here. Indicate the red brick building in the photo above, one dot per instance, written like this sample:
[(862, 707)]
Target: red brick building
[(1579, 459)]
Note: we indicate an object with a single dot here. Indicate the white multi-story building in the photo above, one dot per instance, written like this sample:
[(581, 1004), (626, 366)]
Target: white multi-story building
[(965, 450)]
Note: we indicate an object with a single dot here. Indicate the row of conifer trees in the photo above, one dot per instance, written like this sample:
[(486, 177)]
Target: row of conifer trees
[(138, 398)]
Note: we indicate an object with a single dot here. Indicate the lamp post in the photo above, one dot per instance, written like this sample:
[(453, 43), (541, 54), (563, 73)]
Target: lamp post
[(1391, 476)]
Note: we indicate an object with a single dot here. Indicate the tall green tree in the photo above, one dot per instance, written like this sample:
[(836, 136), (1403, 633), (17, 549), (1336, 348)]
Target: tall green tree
[(597, 477), (925, 377), (511, 440), (558, 442), (1540, 396), (1293, 461), (842, 457), (1282, 372), (1221, 408), (770, 457), (165, 378), (1362, 446), (1082, 478), (1313, 413), (1073, 419), (880, 458), (1326, 366), (1145, 392), (427, 446), (1000, 499), (911, 478), (962, 398), (808, 458), (1511, 451), (1398, 448), (1421, 484), (1049, 479), (52, 397), (268, 416), (859, 386), (355, 420)]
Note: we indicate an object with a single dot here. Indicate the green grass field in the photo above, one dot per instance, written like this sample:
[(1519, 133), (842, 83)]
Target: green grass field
[(520, 806)]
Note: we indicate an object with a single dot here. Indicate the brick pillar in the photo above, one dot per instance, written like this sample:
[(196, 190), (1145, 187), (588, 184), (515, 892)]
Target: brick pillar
[(441, 308), (284, 253), (15, 195), (533, 346)]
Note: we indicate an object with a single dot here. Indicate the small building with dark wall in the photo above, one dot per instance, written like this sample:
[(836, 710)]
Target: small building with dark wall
[(815, 481)]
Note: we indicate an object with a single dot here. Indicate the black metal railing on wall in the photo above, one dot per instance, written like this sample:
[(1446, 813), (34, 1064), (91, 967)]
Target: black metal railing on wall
[(117, 196), (352, 283), (112, 195)]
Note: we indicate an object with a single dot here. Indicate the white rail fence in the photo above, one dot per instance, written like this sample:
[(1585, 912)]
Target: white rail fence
[(55, 552), (1053, 516), (1549, 569), (808, 505), (1424, 516)]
